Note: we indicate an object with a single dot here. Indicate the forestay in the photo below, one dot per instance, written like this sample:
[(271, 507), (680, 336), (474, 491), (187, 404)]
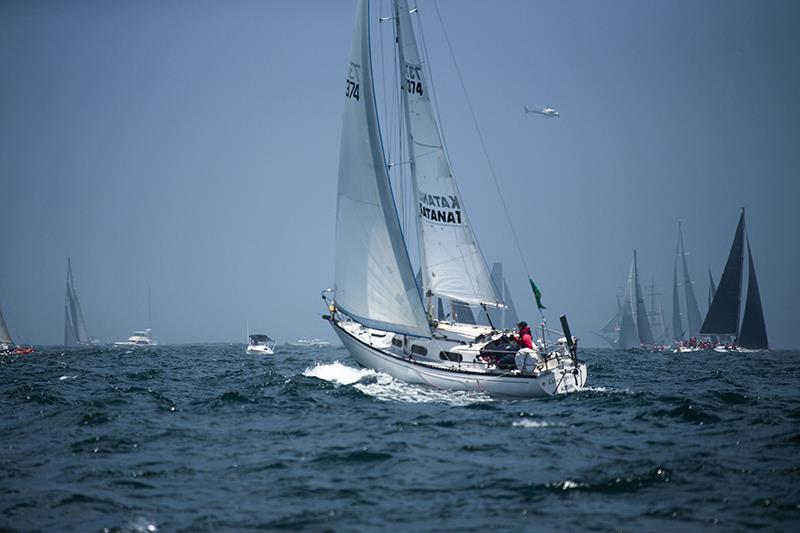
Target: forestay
[(374, 281), (452, 264)]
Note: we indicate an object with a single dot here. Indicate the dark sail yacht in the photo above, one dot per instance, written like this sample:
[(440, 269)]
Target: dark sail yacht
[(722, 320)]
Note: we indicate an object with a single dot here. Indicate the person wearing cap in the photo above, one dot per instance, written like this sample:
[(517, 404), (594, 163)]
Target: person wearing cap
[(524, 337)]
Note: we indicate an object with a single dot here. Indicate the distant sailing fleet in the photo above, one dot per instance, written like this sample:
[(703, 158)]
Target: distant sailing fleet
[(76, 334), (720, 330)]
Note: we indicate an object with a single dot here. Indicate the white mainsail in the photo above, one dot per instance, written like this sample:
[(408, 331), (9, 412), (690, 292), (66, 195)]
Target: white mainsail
[(374, 280), (452, 264)]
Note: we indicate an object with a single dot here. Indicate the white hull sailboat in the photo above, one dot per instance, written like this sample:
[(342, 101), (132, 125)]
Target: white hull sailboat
[(380, 313)]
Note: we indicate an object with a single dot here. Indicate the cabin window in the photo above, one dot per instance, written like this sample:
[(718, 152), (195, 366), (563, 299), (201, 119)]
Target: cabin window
[(397, 342), (419, 350), (450, 356)]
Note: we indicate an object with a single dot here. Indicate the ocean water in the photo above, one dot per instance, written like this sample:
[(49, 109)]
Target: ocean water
[(207, 438)]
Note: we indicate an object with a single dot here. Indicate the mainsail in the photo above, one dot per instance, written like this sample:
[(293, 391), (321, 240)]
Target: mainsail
[(5, 335), (374, 280), (723, 315), (75, 332), (640, 311), (753, 333), (693, 320), (452, 264)]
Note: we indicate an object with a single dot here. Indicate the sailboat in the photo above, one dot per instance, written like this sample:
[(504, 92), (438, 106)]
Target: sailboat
[(7, 344), (610, 332), (693, 320), (722, 320), (75, 332), (384, 319), (634, 326), (141, 338)]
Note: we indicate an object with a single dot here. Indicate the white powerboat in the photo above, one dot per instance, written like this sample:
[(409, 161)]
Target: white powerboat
[(261, 344), (138, 339), (378, 310)]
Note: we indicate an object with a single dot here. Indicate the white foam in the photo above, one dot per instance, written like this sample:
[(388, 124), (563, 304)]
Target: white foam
[(385, 388), (338, 373), (608, 390), (525, 423), (64, 378)]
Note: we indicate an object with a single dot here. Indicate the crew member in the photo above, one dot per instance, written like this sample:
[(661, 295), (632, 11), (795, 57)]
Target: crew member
[(523, 337)]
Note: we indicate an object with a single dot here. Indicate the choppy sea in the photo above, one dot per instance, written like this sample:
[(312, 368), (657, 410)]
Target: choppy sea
[(207, 438)]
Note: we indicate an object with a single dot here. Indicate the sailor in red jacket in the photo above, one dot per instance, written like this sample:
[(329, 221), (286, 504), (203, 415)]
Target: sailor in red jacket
[(523, 337)]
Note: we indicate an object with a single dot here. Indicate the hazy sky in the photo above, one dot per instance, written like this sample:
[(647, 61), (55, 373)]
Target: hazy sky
[(193, 147)]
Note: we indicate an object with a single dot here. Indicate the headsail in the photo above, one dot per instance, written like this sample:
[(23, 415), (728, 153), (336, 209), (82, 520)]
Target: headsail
[(5, 335), (452, 264), (374, 280), (723, 315), (753, 333)]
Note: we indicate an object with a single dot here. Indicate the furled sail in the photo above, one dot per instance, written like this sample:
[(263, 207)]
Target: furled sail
[(452, 264), (723, 315), (75, 332), (5, 335), (374, 280), (753, 333)]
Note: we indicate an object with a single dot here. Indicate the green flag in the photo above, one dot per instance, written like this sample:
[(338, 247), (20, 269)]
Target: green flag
[(538, 294)]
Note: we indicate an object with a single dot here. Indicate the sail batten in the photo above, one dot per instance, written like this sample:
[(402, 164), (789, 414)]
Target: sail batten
[(374, 281), (453, 266)]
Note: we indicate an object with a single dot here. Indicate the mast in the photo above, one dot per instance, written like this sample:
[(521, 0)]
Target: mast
[(723, 315)]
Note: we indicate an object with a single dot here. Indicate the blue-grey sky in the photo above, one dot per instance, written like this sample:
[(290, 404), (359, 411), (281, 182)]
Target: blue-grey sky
[(193, 147)]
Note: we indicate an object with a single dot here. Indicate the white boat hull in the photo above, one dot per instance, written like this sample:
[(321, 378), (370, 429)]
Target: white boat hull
[(552, 382), (263, 350)]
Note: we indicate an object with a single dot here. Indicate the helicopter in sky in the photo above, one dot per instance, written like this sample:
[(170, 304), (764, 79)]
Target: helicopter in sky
[(544, 110)]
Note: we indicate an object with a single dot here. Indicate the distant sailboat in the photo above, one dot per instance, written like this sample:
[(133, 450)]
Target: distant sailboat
[(7, 344), (634, 328), (5, 335), (610, 332), (506, 317), (722, 319), (379, 312), (75, 332)]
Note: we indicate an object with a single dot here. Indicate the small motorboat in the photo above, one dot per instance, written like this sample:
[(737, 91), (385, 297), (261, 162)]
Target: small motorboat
[(138, 339), (261, 344)]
